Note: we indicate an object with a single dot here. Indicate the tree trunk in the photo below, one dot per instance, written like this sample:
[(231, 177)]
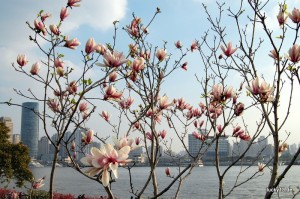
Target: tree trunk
[(52, 171)]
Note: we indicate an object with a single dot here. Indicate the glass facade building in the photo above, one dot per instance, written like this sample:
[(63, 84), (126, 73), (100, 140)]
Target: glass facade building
[(30, 127)]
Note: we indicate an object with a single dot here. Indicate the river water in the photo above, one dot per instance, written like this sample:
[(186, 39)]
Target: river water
[(202, 183)]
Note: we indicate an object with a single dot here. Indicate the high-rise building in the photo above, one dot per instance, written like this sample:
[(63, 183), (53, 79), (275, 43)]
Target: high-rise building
[(208, 149), (30, 127), (43, 146), (16, 138), (8, 122)]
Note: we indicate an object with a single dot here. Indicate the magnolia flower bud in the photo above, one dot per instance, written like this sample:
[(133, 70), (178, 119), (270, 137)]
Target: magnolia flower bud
[(167, 171), (63, 13), (35, 69), (22, 60)]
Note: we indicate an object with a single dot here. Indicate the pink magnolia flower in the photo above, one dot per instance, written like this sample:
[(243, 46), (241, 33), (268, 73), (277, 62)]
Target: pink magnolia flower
[(114, 59), (255, 87), (195, 124), (151, 112), (112, 76), (274, 55), (133, 49), (220, 128), (196, 112), (149, 136), (90, 46), (161, 54), (54, 29), (88, 137), (125, 141), (237, 132), (105, 115), (201, 123), (236, 129), (194, 46), (45, 16), (184, 66), (138, 64), (282, 16), (35, 68), (73, 3), (39, 26), (162, 134), (167, 171), (264, 90), (234, 98), (163, 102), (199, 136), (85, 114), (283, 147), (72, 88), (83, 107), (146, 55), (133, 29), (261, 166), (217, 92), (295, 15), (22, 60), (74, 155), (73, 145), (64, 13), (158, 117), (245, 137), (104, 159), (111, 93), (137, 140), (38, 183), (101, 49), (228, 51), (126, 103), (53, 105), (178, 44), (294, 53), (182, 105), (239, 108), (59, 93), (72, 44), (58, 63), (228, 92), (136, 126)]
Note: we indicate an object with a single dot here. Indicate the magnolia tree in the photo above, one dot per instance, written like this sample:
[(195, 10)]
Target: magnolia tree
[(131, 83)]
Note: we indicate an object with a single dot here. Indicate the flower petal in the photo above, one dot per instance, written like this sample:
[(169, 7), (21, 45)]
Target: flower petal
[(114, 168), (105, 178), (86, 161), (96, 152)]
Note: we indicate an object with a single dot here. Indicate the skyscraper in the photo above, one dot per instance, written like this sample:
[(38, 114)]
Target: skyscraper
[(8, 122), (16, 138), (43, 146), (30, 127)]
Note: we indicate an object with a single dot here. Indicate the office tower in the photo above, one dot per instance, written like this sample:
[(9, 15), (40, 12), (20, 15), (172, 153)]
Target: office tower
[(30, 127), (16, 138), (196, 146), (43, 146), (8, 122)]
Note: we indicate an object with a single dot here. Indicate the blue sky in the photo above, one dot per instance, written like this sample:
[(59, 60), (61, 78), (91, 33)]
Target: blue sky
[(183, 20)]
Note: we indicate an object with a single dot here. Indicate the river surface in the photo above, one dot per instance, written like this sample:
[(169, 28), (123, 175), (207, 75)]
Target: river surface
[(202, 183)]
